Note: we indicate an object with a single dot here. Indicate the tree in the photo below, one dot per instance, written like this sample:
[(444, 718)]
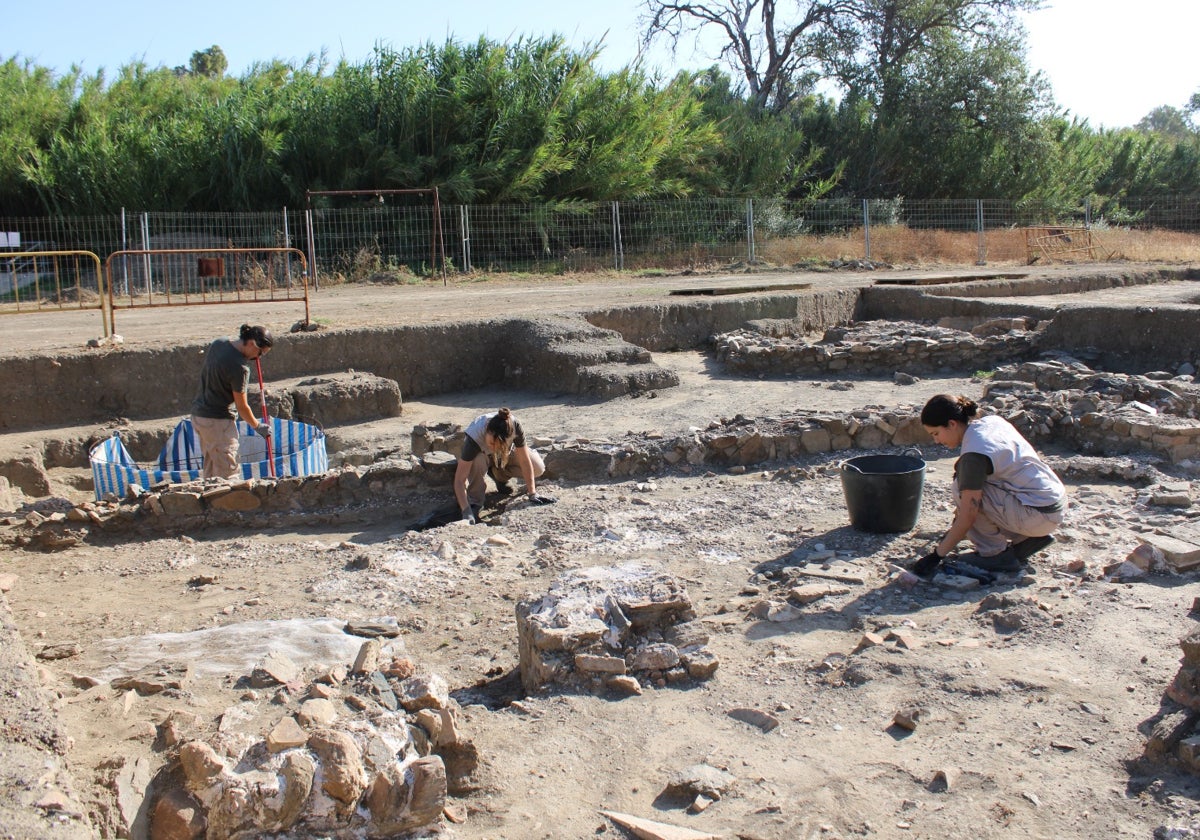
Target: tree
[(36, 106), (778, 59), (919, 80), (962, 119), (880, 44), (867, 46), (761, 153), (1167, 121), (210, 62)]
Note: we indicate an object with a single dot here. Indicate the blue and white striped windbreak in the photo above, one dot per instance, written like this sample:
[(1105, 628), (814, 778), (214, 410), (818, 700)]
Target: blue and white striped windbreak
[(298, 450)]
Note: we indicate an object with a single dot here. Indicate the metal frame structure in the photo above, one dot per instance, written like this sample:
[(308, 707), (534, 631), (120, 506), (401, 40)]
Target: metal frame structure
[(204, 288), (1058, 242), (37, 303)]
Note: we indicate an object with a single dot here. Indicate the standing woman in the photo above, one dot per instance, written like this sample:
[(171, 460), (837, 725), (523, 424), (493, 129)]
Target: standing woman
[(492, 442), (223, 381), (1009, 500)]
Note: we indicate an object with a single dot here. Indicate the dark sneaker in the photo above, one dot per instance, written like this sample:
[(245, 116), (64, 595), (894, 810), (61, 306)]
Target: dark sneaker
[(1030, 546), (1005, 561)]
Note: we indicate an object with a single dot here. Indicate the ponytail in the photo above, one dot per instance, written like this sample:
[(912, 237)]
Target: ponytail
[(501, 425), (259, 334), (943, 408)]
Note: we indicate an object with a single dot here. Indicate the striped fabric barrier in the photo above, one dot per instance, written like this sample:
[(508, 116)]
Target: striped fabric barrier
[(298, 450)]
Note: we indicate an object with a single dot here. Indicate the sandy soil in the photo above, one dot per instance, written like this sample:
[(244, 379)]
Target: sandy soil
[(1033, 694)]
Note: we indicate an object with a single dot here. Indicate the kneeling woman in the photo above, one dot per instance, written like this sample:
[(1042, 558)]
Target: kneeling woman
[(1009, 500)]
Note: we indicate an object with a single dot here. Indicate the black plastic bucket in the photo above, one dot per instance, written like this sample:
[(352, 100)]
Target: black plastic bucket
[(883, 492)]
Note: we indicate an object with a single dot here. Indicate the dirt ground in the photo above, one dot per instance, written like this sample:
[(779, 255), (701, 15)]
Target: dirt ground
[(1034, 695)]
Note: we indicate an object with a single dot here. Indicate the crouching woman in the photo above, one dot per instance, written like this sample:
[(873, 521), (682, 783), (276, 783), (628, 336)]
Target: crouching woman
[(492, 443), (1009, 501)]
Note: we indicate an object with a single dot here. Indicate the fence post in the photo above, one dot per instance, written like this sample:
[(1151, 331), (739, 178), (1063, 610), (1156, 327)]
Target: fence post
[(982, 258), (312, 247), (287, 243), (146, 247), (866, 207), (124, 258), (750, 229), (464, 224), (618, 243)]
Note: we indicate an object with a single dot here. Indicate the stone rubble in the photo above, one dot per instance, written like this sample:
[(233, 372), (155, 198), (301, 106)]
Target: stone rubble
[(633, 623), (1175, 731), (363, 757)]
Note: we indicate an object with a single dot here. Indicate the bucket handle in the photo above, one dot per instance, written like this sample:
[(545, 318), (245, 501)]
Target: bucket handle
[(846, 465)]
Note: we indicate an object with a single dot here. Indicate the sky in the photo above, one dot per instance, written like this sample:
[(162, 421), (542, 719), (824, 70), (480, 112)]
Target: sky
[(1108, 61)]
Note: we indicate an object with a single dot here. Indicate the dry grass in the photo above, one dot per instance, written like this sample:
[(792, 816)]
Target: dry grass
[(1146, 245), (893, 245), (899, 245)]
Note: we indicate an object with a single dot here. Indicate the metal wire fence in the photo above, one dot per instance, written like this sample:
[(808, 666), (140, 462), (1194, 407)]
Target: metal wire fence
[(400, 238)]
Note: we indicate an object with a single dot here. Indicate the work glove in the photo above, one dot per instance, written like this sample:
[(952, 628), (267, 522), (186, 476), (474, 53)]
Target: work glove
[(539, 499), (927, 565), (263, 430), (468, 515)]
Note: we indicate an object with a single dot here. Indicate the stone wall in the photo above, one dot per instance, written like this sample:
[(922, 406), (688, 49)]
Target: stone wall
[(405, 488), (1174, 733), (1127, 338), (878, 347), (1096, 413)]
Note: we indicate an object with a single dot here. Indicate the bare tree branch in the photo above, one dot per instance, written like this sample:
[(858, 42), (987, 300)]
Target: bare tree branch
[(773, 58), (777, 48)]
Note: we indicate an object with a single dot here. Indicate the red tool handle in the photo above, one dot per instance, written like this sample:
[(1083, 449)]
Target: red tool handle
[(262, 392)]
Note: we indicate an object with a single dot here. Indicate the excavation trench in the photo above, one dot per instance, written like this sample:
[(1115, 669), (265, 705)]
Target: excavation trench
[(621, 369)]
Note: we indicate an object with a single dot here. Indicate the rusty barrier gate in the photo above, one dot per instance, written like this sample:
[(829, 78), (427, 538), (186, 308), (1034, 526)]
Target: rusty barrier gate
[(198, 276), (1058, 242), (40, 281)]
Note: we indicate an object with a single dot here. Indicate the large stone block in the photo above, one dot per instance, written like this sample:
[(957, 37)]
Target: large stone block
[(1180, 555), (577, 463), (341, 398)]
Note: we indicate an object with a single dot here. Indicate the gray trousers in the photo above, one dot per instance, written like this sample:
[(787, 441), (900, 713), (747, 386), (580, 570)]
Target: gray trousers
[(477, 483), (1005, 519)]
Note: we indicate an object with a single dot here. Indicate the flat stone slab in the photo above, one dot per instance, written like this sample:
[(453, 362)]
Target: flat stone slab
[(1180, 555)]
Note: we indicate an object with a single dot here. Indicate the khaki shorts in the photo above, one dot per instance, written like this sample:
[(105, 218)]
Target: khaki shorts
[(218, 444)]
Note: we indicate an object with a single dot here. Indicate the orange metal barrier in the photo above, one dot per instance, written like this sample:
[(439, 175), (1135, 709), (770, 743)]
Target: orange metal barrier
[(37, 281), (196, 276), (1058, 242)]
